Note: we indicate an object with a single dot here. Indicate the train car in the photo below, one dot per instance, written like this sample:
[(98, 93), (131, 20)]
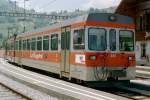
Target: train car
[(92, 47)]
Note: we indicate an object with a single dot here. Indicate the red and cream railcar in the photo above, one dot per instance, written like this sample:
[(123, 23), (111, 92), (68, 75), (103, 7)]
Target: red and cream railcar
[(92, 47)]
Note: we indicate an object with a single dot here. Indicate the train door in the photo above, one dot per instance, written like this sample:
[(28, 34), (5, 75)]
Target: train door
[(65, 51), (20, 52)]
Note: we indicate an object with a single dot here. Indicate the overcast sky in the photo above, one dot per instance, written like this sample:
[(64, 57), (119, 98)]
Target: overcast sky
[(70, 5)]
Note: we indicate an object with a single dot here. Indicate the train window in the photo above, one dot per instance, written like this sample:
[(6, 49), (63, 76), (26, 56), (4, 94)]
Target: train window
[(54, 42), (24, 44), (39, 43), (12, 46), (8, 46), (63, 39), (16, 45), (28, 44), (97, 39), (33, 44), (126, 40), (112, 39), (79, 39), (20, 44), (67, 40), (46, 43)]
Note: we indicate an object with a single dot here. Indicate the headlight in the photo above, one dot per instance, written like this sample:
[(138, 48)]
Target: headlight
[(130, 58), (92, 57)]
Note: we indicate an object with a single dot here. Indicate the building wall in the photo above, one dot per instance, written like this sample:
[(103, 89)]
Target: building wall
[(143, 58), (139, 10), (148, 50)]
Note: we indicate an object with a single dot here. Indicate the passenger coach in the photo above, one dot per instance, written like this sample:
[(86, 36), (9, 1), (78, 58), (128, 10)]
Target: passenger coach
[(92, 47)]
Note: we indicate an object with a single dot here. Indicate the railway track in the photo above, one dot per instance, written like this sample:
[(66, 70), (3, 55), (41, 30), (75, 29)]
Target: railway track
[(142, 77), (128, 90), (130, 94), (7, 93), (131, 91)]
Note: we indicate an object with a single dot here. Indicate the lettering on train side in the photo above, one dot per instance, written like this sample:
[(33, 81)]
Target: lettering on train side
[(36, 56)]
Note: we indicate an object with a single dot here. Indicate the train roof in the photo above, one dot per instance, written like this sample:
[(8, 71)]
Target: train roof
[(91, 17)]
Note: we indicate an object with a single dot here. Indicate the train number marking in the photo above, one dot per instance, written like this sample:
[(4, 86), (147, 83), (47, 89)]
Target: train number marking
[(113, 55)]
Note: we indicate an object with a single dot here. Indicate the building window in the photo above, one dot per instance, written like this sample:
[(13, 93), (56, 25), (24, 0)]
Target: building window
[(39, 43), (46, 43), (148, 22), (79, 39), (54, 42), (142, 23), (143, 50)]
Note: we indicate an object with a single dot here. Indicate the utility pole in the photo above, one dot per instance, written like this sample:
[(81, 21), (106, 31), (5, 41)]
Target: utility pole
[(24, 29), (15, 5)]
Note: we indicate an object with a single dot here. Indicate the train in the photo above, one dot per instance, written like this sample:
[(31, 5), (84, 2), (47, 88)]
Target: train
[(92, 47)]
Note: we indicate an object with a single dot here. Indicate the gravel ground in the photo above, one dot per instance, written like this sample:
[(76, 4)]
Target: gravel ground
[(25, 90)]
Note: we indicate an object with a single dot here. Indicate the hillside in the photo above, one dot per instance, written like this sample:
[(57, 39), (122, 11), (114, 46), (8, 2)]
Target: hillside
[(15, 25)]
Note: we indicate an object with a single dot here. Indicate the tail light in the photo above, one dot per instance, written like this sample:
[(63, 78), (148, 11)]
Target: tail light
[(130, 58)]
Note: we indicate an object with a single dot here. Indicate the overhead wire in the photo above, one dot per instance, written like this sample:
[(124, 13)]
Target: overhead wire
[(49, 3)]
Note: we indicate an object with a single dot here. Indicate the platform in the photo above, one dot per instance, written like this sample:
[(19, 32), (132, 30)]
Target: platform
[(143, 71), (55, 87)]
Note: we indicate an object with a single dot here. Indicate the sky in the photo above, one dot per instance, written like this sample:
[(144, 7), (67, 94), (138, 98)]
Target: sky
[(69, 5)]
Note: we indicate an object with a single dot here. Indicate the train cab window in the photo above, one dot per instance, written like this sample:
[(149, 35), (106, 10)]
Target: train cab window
[(33, 44), (97, 39), (46, 43), (39, 43), (126, 40), (28, 44), (79, 39), (54, 42), (112, 39)]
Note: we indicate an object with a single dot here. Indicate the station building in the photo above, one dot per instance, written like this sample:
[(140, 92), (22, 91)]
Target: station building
[(139, 10)]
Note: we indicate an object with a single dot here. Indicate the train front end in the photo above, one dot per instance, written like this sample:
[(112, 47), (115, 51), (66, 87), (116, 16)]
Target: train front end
[(109, 48)]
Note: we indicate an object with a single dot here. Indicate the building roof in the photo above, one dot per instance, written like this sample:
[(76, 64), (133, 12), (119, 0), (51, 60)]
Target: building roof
[(127, 6)]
